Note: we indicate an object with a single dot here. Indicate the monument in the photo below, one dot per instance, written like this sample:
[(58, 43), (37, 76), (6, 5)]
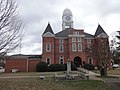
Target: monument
[(68, 74)]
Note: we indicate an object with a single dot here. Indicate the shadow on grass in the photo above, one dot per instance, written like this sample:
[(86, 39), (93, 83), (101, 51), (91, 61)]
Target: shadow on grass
[(107, 76)]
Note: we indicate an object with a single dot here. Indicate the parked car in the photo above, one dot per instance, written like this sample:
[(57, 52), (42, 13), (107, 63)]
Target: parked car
[(2, 69), (116, 66)]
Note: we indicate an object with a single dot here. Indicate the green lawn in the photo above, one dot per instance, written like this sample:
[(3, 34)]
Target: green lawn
[(50, 84), (47, 74)]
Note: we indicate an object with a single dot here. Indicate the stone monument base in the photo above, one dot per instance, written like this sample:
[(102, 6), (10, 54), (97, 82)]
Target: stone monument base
[(69, 76)]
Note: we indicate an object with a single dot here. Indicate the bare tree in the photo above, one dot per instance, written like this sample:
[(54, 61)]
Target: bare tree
[(104, 54), (10, 26), (118, 37), (100, 51)]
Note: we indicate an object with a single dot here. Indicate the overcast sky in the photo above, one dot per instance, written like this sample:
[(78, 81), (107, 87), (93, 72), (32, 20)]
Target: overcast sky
[(86, 15)]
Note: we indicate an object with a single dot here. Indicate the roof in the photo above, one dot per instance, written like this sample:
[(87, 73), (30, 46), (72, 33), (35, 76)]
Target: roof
[(21, 56), (66, 32), (63, 33), (89, 35), (99, 31), (48, 29), (67, 12)]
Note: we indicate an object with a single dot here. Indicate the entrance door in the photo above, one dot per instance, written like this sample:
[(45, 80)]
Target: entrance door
[(78, 61)]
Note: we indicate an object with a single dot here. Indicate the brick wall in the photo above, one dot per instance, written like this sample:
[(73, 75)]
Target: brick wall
[(32, 65), (20, 64)]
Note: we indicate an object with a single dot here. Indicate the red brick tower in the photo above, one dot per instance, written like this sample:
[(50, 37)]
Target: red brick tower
[(48, 45)]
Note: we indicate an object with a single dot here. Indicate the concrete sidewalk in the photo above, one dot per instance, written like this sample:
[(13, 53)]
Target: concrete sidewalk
[(92, 75)]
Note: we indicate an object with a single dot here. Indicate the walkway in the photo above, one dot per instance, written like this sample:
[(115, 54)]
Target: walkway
[(92, 75), (114, 83)]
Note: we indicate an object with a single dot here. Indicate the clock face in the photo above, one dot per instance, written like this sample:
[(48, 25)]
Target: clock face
[(68, 18)]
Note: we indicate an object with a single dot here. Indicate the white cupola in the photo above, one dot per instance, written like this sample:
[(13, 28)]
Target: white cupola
[(67, 19)]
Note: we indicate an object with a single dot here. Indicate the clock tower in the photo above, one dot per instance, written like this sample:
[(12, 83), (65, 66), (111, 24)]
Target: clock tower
[(67, 19)]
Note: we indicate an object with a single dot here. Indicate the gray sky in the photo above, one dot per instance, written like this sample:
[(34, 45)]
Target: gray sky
[(86, 15)]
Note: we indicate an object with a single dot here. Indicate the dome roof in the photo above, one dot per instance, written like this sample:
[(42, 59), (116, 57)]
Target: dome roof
[(67, 12)]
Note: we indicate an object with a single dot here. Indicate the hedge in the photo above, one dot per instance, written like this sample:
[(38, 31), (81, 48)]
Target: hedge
[(73, 67), (56, 67), (89, 66), (41, 67)]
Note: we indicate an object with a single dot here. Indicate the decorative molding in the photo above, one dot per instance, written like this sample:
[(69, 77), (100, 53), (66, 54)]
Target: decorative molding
[(103, 35), (76, 35), (48, 34)]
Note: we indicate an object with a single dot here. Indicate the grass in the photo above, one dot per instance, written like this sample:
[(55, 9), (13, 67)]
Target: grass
[(46, 74), (107, 77), (110, 72), (51, 84), (114, 71)]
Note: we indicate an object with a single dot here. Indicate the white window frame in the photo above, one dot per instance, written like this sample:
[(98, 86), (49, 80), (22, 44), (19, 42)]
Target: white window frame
[(49, 61), (75, 33), (88, 41), (48, 46), (61, 48), (61, 40), (80, 48), (73, 39), (61, 58), (74, 47), (89, 45), (79, 39), (89, 60)]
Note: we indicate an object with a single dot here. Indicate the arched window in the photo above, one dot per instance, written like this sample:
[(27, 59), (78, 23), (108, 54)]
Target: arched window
[(90, 61), (61, 60), (79, 46), (73, 46)]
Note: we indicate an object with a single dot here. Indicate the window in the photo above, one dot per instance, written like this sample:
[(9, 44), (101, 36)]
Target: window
[(73, 46), (48, 47), (75, 33), (89, 46), (61, 40), (88, 41), (48, 61), (79, 46), (61, 60), (79, 39), (61, 48), (90, 61), (73, 39)]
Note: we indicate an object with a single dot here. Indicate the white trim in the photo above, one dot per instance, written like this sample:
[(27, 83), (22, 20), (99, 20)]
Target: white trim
[(47, 47), (89, 61), (76, 35), (48, 34), (89, 38), (49, 61), (74, 49), (61, 45), (79, 39), (89, 41), (61, 37), (80, 47), (61, 40), (73, 39), (61, 57), (103, 35)]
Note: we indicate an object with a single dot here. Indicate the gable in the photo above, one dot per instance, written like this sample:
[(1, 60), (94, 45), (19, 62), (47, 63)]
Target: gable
[(104, 35), (48, 34)]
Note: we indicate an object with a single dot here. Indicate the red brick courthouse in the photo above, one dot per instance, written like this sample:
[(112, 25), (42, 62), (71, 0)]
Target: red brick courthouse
[(68, 43), (71, 43)]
